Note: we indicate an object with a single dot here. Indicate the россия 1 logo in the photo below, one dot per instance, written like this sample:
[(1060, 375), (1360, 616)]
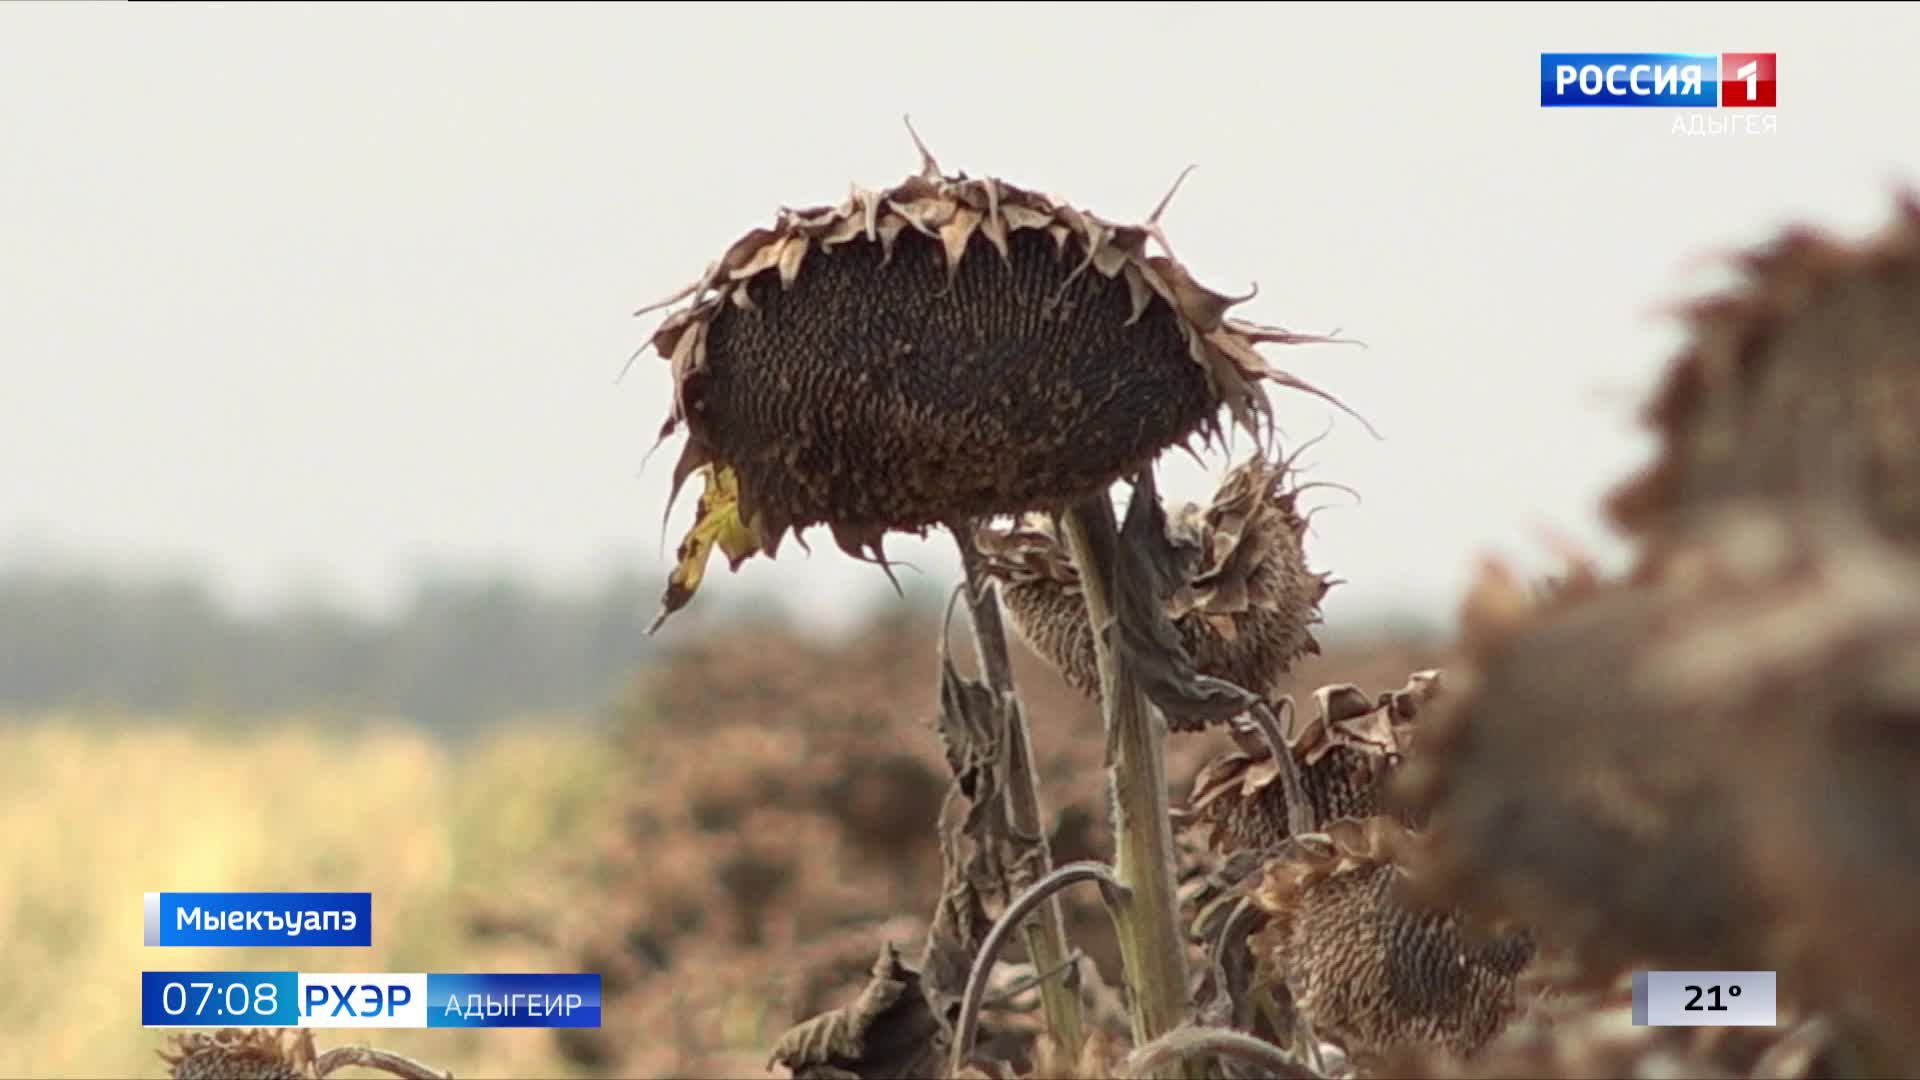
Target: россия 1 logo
[(1658, 80), (1746, 80)]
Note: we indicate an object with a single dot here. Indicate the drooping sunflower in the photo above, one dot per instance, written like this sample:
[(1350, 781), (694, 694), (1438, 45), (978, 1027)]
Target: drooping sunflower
[(1367, 968), (1803, 379), (943, 349), (1697, 765), (1245, 604)]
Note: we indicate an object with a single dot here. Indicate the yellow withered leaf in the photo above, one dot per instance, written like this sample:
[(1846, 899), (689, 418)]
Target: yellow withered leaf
[(716, 524)]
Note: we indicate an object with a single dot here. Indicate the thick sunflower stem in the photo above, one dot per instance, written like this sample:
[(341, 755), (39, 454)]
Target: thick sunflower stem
[(1046, 932), (1148, 915)]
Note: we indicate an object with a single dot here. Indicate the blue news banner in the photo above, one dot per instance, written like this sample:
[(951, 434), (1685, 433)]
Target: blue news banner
[(302, 999), (253, 919), (290, 999), (1670, 80)]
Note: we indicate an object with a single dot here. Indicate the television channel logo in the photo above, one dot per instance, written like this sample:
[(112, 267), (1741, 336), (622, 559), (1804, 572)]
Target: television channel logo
[(1658, 80), (1747, 81)]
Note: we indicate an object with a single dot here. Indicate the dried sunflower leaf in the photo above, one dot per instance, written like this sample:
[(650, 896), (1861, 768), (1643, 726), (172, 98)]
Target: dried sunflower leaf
[(887, 1031), (1164, 665), (717, 524)]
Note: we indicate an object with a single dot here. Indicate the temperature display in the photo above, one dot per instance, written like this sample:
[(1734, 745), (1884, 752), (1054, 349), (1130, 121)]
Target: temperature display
[(1703, 998)]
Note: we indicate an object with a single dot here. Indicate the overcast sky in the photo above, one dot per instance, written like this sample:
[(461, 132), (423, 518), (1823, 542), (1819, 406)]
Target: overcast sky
[(306, 299)]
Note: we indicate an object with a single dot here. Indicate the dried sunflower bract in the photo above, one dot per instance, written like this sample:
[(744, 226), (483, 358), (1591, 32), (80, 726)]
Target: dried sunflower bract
[(1347, 755), (943, 349)]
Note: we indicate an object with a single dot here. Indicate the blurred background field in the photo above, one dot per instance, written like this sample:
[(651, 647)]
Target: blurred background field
[(727, 835), (98, 810)]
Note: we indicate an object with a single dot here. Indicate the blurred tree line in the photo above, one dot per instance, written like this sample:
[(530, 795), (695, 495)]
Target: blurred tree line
[(460, 654)]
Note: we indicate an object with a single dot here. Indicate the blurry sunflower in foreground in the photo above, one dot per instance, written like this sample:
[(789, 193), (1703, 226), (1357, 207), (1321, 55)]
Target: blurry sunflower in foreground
[(1699, 766), (943, 349), (1802, 380)]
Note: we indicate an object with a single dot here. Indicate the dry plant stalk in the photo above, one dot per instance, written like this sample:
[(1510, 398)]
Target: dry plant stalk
[(1018, 908), (1189, 1042), (1148, 915), (1046, 932)]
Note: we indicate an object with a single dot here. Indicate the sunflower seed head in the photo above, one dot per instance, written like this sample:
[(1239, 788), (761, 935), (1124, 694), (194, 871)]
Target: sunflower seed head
[(944, 349), (1696, 765), (1803, 380), (241, 1054), (1370, 969)]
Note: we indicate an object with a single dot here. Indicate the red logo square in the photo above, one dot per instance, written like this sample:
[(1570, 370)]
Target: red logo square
[(1746, 80)]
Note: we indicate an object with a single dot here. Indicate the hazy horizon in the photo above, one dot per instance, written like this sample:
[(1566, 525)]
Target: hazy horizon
[(303, 300)]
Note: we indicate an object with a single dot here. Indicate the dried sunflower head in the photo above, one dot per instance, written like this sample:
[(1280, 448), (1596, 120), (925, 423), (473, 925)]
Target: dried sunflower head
[(943, 349), (1666, 770), (241, 1054), (1246, 606), (1805, 378), (1346, 755), (1558, 794), (1370, 969)]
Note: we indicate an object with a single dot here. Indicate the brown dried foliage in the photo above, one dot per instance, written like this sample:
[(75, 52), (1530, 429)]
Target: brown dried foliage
[(889, 1030), (749, 749), (1346, 755)]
